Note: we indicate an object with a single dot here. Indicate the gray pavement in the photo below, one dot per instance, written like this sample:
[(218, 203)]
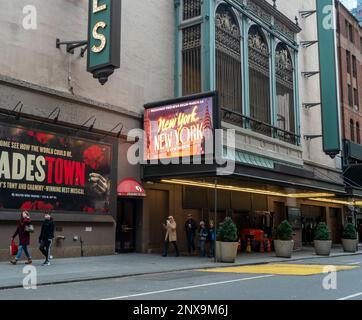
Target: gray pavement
[(116, 266), (200, 285)]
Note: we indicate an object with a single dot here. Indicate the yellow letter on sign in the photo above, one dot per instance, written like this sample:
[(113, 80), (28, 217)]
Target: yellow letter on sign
[(98, 36), (97, 8)]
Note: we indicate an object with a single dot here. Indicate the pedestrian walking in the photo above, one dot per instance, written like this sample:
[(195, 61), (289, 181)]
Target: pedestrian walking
[(46, 238), (203, 237), (171, 236), (211, 238), (190, 228), (23, 230)]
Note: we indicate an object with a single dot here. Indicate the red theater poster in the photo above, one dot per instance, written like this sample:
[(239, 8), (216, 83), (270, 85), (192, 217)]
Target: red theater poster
[(178, 130), (42, 171)]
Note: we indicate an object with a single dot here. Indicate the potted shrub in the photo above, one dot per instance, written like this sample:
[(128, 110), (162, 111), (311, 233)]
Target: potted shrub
[(284, 243), (322, 242), (349, 238), (228, 236)]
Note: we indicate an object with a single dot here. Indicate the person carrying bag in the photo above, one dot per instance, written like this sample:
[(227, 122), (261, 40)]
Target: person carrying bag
[(23, 230), (13, 249)]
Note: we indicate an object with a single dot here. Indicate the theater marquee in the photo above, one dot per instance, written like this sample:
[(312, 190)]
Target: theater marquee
[(179, 128)]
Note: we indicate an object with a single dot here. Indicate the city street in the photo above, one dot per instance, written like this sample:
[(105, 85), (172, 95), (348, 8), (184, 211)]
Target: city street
[(276, 281), (194, 150)]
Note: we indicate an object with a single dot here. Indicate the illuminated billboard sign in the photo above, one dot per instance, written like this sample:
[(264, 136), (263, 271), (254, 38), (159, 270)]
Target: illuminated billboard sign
[(179, 128), (43, 171)]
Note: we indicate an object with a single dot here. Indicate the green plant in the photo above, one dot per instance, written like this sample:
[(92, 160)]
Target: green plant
[(349, 232), (285, 231), (227, 231), (322, 232)]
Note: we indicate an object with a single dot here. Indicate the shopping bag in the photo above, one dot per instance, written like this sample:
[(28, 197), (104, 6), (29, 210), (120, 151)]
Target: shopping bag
[(13, 249)]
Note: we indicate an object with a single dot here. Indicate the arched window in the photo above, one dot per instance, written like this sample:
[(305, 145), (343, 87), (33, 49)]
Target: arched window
[(259, 81), (351, 125), (285, 88), (228, 59), (358, 133)]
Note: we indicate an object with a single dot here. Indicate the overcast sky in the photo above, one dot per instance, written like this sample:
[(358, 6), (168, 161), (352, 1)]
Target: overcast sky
[(349, 3)]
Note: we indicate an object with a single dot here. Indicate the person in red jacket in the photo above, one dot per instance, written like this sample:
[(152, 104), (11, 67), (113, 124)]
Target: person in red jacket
[(24, 238)]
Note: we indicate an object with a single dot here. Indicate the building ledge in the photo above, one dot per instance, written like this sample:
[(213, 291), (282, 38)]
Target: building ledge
[(272, 148), (64, 95), (59, 217)]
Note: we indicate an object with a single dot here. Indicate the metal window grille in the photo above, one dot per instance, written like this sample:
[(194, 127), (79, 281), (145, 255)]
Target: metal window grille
[(285, 91), (259, 80), (191, 60), (228, 60), (191, 9)]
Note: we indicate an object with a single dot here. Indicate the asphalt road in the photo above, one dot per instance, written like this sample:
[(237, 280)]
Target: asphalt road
[(196, 285)]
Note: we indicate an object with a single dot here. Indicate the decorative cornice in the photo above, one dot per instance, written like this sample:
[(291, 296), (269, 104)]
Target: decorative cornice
[(279, 16)]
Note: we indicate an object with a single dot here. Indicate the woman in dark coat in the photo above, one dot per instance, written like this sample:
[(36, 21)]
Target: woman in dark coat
[(24, 238)]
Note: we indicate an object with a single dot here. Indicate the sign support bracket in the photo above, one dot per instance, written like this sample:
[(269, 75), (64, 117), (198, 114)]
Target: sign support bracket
[(312, 136), (71, 45), (307, 13), (308, 74), (309, 105)]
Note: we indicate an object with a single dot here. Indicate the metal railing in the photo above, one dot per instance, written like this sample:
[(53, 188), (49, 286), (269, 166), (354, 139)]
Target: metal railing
[(258, 126)]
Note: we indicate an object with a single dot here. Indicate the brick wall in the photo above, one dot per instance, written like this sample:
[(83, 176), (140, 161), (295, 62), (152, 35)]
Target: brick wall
[(349, 112)]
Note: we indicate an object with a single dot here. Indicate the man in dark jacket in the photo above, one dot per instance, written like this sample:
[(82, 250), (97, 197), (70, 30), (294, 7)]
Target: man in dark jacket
[(46, 238), (190, 228)]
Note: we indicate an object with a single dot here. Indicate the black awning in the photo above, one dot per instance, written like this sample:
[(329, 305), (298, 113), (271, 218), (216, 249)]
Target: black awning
[(353, 175), (299, 178)]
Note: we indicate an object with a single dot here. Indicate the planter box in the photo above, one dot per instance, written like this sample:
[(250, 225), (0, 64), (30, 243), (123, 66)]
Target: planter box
[(350, 245), (228, 251), (218, 251), (283, 248), (323, 247)]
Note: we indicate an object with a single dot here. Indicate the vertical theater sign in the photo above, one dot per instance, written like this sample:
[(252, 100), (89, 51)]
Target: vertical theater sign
[(104, 39), (328, 77), (104, 32)]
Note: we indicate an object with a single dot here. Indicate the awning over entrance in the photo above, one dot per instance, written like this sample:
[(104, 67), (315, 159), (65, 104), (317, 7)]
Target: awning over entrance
[(130, 188), (353, 174)]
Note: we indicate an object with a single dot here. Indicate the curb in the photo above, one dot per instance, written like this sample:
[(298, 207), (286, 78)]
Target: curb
[(221, 265)]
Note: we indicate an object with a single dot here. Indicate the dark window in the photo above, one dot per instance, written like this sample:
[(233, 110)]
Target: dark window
[(360, 41), (348, 61), (191, 60), (350, 98), (259, 81), (285, 88), (354, 66), (358, 133), (351, 37), (351, 125), (356, 98), (191, 9), (346, 28), (228, 59)]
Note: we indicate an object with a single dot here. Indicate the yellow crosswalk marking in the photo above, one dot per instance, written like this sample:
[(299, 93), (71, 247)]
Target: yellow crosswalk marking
[(282, 269)]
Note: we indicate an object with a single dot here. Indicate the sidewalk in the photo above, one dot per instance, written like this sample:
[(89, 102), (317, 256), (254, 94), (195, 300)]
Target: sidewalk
[(123, 265)]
